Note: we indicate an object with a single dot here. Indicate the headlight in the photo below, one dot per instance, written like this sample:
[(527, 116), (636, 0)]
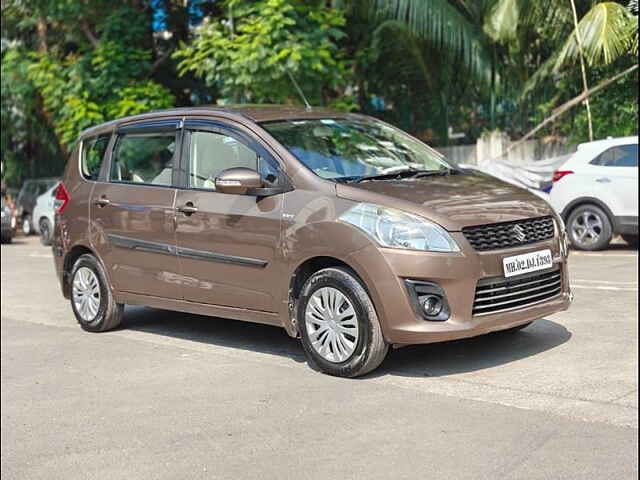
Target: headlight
[(397, 229)]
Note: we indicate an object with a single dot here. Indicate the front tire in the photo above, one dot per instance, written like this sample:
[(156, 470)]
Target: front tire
[(338, 324), (589, 228), (91, 298), (515, 329), (45, 232)]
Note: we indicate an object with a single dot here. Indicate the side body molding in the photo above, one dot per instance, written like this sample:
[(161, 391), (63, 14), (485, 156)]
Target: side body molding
[(163, 248)]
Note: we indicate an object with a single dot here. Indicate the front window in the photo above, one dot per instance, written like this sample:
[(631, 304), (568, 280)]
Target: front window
[(211, 153), (350, 149)]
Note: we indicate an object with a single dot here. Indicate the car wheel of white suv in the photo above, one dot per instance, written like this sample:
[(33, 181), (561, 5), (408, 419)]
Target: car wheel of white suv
[(589, 228)]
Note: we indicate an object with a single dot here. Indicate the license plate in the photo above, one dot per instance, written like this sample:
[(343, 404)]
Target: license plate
[(527, 263)]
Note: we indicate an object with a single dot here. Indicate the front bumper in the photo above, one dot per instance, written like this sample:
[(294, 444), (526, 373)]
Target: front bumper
[(385, 271)]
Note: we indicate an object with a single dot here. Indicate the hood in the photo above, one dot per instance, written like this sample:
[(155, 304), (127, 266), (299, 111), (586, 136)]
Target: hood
[(453, 201)]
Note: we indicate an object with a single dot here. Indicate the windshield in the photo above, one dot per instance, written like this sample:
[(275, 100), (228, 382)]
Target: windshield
[(346, 149)]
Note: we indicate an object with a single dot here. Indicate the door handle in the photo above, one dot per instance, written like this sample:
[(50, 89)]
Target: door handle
[(102, 201), (603, 180), (188, 209)]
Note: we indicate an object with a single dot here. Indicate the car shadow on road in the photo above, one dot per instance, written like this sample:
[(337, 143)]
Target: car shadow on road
[(15, 242), (214, 331), (434, 360), (472, 354)]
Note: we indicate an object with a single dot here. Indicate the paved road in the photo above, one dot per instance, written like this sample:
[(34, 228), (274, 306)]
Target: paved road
[(182, 396)]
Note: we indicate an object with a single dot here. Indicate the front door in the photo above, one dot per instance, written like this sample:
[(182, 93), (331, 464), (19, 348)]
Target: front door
[(132, 211), (228, 245)]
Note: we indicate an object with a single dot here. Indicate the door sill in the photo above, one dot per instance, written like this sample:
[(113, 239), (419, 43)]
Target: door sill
[(234, 313)]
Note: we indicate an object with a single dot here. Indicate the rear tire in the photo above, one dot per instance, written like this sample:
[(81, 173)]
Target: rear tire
[(589, 228), (45, 232), (91, 298), (368, 344)]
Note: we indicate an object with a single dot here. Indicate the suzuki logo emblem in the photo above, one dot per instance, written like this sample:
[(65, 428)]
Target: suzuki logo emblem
[(518, 231)]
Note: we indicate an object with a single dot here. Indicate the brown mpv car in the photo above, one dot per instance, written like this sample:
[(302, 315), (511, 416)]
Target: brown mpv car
[(343, 230)]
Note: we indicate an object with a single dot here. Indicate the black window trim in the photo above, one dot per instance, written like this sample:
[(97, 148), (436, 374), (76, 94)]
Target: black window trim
[(221, 128), (147, 126), (595, 162), (105, 155)]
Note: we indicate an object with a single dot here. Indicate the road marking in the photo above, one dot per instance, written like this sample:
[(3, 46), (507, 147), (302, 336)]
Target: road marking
[(585, 254), (582, 280), (41, 255), (601, 287)]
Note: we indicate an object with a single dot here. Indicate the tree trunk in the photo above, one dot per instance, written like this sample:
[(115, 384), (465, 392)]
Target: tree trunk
[(41, 29), (583, 68)]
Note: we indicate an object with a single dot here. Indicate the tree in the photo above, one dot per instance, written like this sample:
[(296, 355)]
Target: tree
[(606, 32), (67, 66), (250, 53)]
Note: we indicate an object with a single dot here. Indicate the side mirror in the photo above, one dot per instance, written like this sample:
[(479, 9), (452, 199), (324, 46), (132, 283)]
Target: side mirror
[(238, 181)]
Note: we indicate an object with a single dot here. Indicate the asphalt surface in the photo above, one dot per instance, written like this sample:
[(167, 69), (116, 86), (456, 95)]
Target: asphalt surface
[(171, 395)]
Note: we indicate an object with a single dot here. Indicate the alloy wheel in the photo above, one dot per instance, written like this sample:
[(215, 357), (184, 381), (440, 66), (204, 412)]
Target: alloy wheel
[(587, 228)]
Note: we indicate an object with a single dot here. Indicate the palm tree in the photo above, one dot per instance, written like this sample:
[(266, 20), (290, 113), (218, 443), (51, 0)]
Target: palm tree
[(606, 32)]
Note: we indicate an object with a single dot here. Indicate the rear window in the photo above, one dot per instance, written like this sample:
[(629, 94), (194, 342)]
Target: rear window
[(93, 150), (144, 158)]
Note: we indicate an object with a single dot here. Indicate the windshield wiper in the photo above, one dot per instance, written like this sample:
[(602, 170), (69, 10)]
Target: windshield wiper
[(432, 173), (386, 176), (405, 173)]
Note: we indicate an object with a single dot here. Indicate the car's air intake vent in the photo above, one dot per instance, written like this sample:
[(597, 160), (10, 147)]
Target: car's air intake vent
[(509, 234), (495, 295)]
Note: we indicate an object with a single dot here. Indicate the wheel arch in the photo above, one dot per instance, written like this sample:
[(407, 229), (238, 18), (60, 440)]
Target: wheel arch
[(579, 202), (69, 261), (303, 271)]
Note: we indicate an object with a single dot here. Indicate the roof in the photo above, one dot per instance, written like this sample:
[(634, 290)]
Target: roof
[(256, 113), (607, 142)]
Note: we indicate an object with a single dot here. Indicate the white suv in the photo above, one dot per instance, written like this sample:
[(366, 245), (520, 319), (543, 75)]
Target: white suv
[(596, 193), (43, 215)]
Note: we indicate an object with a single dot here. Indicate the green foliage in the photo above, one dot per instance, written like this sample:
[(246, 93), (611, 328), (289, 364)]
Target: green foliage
[(29, 146), (250, 58), (605, 32), (426, 66), (107, 81), (444, 26), (614, 109)]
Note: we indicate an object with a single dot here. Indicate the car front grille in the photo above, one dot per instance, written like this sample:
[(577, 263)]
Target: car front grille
[(500, 294), (509, 234)]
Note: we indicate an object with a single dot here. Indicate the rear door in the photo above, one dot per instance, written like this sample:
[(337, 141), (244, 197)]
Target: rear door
[(132, 210), (228, 248), (615, 174)]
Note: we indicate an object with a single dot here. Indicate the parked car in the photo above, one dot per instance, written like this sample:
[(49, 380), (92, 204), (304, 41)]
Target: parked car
[(26, 201), (345, 231), (8, 221), (596, 193), (43, 214)]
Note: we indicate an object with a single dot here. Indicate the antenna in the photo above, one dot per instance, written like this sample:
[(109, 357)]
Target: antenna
[(300, 92)]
